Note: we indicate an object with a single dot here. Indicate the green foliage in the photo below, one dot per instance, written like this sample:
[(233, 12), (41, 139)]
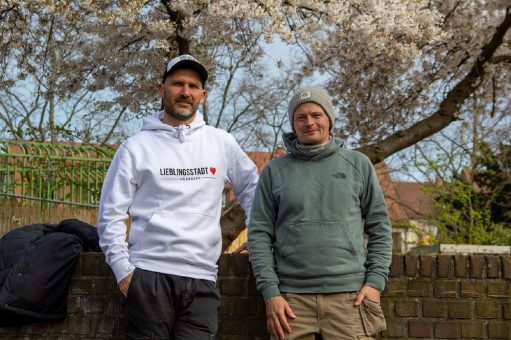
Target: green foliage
[(493, 178), (474, 206)]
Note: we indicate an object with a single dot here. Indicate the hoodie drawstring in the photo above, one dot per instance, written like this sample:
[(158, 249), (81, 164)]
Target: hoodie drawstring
[(181, 132)]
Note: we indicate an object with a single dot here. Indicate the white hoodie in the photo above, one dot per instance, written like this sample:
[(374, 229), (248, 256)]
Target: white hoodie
[(170, 181)]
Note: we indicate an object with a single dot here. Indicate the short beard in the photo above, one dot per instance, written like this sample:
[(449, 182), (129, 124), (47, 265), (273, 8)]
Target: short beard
[(179, 115)]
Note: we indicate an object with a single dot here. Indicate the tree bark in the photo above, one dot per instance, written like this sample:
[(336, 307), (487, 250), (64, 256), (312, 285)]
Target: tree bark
[(233, 223), (449, 107), (183, 44)]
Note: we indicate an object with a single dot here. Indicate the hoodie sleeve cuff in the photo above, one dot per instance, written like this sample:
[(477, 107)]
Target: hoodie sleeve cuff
[(375, 281), (270, 292), (122, 269)]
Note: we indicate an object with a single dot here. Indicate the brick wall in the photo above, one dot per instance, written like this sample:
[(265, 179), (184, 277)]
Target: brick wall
[(432, 297), (448, 297)]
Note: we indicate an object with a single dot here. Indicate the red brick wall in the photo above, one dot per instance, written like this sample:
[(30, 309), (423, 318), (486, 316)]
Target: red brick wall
[(433, 297), (448, 297)]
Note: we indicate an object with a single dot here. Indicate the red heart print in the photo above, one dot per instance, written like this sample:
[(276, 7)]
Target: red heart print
[(213, 170)]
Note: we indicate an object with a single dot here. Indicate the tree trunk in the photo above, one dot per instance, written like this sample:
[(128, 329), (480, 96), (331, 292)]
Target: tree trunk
[(232, 222), (51, 119), (183, 44)]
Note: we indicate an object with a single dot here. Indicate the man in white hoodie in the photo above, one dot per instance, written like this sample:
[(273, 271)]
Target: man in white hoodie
[(169, 179)]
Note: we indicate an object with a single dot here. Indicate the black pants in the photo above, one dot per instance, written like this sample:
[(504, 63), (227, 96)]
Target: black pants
[(163, 306)]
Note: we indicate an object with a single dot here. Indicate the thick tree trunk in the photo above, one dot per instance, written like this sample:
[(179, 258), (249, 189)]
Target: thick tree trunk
[(183, 44), (232, 222)]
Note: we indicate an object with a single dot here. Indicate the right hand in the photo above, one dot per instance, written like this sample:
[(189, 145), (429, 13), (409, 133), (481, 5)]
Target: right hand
[(276, 322), (124, 284)]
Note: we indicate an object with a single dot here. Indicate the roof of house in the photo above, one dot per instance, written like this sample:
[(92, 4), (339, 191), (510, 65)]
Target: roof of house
[(396, 210), (405, 200), (261, 158), (414, 200)]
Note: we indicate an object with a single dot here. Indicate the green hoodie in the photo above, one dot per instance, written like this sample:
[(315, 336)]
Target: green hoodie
[(308, 220)]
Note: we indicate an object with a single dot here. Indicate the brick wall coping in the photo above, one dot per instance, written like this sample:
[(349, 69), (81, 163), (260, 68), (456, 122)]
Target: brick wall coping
[(461, 249), (474, 249)]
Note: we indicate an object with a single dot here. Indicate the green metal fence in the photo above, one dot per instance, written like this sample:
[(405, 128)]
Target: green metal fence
[(45, 173)]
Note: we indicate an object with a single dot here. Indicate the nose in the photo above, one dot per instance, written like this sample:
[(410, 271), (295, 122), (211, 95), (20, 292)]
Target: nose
[(185, 90), (309, 120)]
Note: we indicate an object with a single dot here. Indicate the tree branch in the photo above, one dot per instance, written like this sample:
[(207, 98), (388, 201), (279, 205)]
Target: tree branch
[(449, 107), (131, 42), (75, 109), (501, 59), (4, 12), (117, 120), (183, 44), (447, 16)]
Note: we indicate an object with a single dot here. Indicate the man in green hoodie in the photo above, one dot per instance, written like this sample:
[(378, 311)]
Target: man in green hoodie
[(317, 274)]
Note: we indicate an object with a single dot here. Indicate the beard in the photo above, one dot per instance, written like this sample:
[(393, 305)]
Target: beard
[(172, 108), (179, 114)]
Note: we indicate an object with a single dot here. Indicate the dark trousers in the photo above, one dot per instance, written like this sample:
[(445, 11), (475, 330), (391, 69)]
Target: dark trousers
[(164, 306)]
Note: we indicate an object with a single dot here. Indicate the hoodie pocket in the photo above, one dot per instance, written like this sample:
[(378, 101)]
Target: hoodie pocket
[(193, 237), (325, 243)]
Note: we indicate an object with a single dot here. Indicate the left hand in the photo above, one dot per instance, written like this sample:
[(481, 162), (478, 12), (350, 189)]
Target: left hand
[(367, 292), (241, 248)]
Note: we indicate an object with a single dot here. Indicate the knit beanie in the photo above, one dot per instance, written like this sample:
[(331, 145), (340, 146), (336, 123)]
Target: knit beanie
[(312, 94)]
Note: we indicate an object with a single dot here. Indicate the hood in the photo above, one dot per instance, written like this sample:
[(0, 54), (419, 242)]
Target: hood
[(180, 133), (331, 148)]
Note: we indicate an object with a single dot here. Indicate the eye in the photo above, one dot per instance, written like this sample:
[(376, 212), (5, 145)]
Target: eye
[(176, 83)]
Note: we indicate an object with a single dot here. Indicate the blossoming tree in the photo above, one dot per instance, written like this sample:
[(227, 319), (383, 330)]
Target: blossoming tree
[(399, 71)]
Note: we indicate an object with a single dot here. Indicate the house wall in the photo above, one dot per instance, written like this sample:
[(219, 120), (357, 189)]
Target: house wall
[(433, 297), (422, 232)]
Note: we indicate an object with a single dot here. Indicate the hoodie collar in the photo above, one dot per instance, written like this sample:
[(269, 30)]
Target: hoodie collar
[(331, 148), (180, 133)]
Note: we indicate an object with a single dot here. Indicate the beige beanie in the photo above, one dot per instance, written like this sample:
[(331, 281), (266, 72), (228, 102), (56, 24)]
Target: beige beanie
[(312, 94)]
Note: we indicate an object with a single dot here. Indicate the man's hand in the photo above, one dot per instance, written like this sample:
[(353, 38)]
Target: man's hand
[(367, 292), (276, 310), (124, 284), (241, 248)]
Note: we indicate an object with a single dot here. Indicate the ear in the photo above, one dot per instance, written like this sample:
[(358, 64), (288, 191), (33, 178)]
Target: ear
[(161, 90), (203, 96)]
